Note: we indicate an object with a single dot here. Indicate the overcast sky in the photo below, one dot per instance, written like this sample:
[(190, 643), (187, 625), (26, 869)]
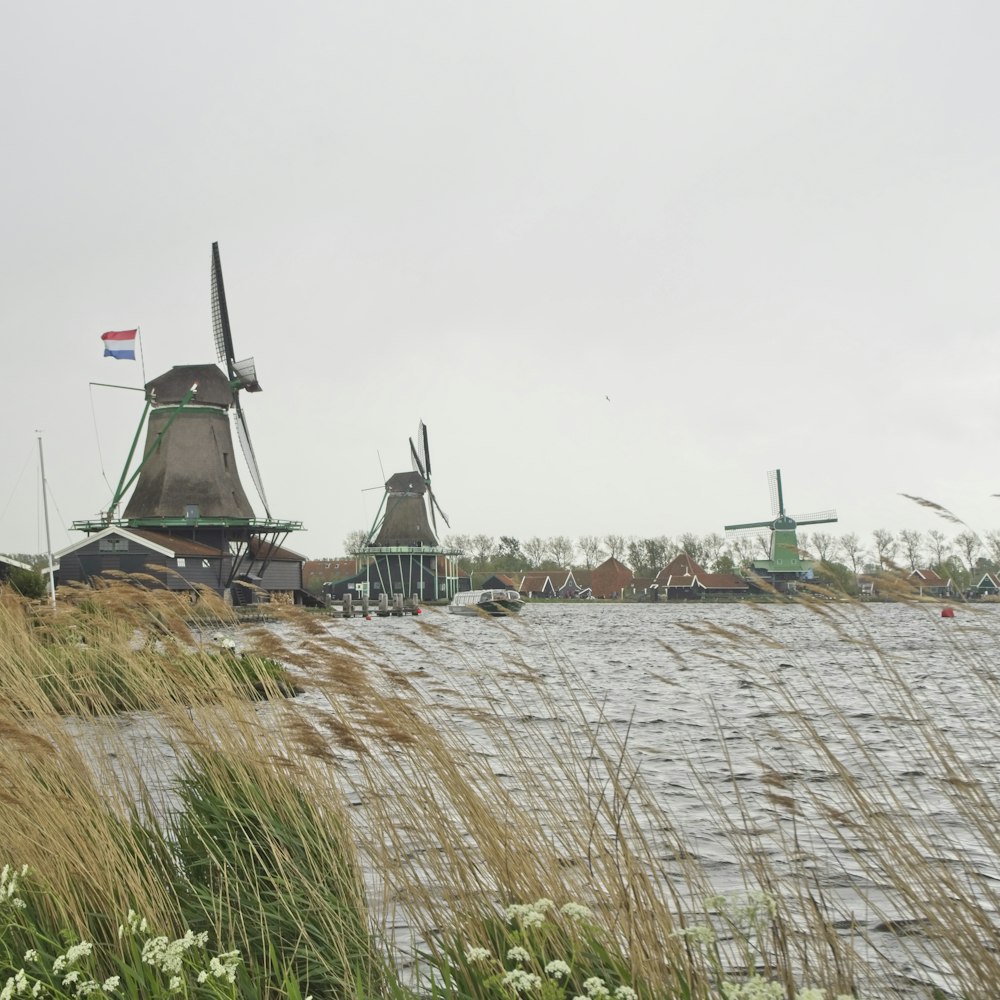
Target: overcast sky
[(769, 232)]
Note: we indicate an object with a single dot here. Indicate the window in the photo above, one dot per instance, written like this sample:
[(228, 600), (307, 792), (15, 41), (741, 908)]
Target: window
[(112, 544), (181, 562)]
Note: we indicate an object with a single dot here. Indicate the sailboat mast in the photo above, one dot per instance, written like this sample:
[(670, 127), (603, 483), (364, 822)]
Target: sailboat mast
[(45, 508)]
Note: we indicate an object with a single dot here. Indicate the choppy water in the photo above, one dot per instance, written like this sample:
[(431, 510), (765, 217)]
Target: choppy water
[(764, 704), (757, 704)]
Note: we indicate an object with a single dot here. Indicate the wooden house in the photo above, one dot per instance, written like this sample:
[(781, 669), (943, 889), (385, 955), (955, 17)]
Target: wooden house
[(536, 584), (683, 579), (155, 558), (930, 584), (611, 579)]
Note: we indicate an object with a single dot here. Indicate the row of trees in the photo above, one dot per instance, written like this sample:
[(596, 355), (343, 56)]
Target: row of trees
[(961, 557)]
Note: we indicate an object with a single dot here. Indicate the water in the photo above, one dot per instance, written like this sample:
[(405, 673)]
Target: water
[(744, 717), (751, 725)]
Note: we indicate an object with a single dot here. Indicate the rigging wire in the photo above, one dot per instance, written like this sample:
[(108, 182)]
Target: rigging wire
[(97, 436), (16, 483)]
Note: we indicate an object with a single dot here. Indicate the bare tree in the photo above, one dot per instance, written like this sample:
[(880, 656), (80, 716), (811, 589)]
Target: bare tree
[(535, 550), (993, 546), (885, 547), (762, 543), (692, 545), (912, 544), (591, 549), (562, 549), (939, 546), (462, 544), (969, 546), (803, 539), (823, 545), (851, 546), (713, 545), (353, 540), (742, 549), (615, 544), (483, 546)]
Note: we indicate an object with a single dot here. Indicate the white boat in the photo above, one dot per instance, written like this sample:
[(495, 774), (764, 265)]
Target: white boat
[(486, 602)]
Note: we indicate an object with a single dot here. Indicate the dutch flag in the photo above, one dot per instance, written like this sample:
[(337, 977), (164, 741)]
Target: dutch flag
[(119, 344)]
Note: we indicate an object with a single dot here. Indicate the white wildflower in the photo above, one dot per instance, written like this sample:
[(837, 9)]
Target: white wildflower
[(477, 954), (595, 988), (577, 912), (522, 982), (557, 969), (202, 976), (175, 983), (224, 966), (71, 977), (16, 985), (626, 993), (31, 955), (699, 933), (111, 984), (755, 988), (518, 954), (38, 989), (133, 923)]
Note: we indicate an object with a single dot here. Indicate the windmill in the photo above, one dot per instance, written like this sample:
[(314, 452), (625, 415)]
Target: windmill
[(187, 482), (785, 560), (404, 555), (408, 514)]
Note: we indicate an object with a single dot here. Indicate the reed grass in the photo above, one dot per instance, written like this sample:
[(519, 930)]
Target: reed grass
[(391, 832)]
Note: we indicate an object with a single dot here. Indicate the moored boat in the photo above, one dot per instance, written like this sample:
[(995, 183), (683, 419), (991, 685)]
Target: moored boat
[(495, 603)]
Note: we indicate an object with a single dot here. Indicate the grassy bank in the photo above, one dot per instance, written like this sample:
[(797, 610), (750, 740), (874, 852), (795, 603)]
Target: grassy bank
[(175, 823)]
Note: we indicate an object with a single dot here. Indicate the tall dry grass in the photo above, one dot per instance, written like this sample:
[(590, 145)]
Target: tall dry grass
[(331, 836)]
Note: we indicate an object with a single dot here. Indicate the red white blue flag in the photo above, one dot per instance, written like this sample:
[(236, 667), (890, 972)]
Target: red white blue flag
[(119, 344)]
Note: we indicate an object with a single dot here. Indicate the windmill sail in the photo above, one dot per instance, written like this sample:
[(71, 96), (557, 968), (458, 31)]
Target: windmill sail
[(243, 432), (242, 374), (420, 455)]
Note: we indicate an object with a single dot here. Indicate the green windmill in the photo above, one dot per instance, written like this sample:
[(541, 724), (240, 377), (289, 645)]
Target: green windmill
[(785, 562)]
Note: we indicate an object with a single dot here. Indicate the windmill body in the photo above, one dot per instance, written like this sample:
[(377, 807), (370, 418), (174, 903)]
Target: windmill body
[(189, 509), (191, 469), (786, 562)]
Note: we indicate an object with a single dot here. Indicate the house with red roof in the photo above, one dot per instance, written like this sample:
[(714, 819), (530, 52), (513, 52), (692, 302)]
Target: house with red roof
[(683, 579)]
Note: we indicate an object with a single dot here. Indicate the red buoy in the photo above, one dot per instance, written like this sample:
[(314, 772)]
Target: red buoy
[(947, 612)]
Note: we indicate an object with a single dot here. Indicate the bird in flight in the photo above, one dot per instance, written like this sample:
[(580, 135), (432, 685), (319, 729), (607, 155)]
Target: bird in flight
[(608, 398)]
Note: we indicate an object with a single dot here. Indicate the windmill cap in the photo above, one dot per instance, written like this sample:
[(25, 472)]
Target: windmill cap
[(172, 386), (407, 482)]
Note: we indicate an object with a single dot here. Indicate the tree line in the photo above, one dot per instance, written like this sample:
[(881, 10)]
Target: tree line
[(963, 558)]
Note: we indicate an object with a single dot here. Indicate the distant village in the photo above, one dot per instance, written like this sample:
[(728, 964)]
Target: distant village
[(180, 518)]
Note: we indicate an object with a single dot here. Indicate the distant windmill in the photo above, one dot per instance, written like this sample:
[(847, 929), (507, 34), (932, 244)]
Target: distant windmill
[(407, 516), (403, 553), (785, 557)]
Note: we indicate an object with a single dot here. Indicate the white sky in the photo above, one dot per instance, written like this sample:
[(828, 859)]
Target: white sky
[(770, 232)]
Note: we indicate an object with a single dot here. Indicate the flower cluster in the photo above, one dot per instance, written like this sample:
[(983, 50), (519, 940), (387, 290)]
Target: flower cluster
[(9, 885), (529, 914), (758, 988)]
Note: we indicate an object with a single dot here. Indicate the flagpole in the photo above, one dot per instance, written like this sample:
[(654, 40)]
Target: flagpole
[(45, 508), (142, 357)]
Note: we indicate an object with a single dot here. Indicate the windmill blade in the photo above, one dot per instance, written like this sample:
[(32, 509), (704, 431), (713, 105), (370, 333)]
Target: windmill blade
[(777, 499), (415, 461), (248, 453), (748, 526), (435, 504), (422, 439), (220, 316), (819, 517)]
